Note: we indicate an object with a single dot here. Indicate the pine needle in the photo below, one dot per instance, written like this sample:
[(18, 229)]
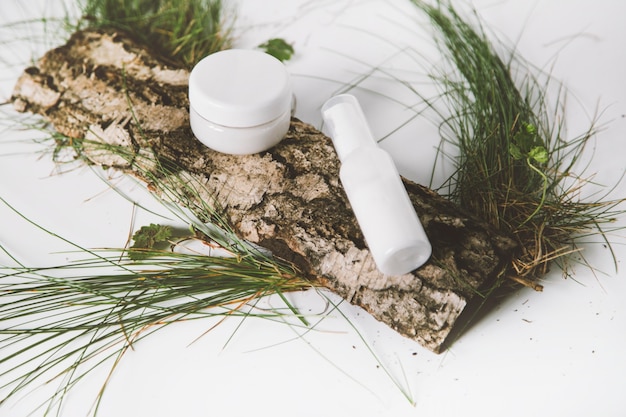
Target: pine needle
[(58, 320), (515, 170), (180, 31)]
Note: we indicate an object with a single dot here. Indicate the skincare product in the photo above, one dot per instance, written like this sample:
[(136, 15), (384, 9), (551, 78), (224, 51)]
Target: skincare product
[(374, 188), (240, 101)]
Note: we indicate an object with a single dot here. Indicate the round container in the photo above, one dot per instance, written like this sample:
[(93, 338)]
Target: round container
[(240, 101)]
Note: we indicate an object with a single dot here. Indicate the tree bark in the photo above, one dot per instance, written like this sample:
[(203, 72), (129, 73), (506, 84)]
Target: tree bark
[(105, 87)]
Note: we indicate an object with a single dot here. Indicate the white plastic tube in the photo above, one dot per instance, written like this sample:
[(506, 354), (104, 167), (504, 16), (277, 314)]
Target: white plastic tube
[(372, 183)]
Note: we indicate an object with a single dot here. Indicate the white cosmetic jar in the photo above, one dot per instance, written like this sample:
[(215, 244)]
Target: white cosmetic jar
[(240, 101)]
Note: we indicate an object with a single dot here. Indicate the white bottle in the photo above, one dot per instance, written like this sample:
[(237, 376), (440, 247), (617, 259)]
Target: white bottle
[(372, 183)]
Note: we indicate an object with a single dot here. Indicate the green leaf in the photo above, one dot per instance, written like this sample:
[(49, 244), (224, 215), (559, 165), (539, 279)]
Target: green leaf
[(278, 48), (530, 129), (526, 138), (524, 141), (539, 154), (515, 151), (147, 237)]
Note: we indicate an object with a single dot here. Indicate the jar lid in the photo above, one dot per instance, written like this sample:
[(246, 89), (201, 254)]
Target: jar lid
[(240, 88)]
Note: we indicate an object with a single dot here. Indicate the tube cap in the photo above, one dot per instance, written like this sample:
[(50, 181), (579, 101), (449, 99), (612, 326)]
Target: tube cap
[(347, 125)]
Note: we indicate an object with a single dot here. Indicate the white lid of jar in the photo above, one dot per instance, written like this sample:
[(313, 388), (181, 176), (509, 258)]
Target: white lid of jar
[(240, 88)]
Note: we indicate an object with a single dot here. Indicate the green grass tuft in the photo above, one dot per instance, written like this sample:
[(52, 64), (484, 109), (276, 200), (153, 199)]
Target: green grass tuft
[(515, 170), (181, 31)]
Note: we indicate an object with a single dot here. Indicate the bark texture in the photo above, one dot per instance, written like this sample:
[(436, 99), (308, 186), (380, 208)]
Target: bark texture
[(105, 87)]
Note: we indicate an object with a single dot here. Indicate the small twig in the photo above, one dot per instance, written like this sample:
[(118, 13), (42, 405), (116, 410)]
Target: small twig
[(526, 282)]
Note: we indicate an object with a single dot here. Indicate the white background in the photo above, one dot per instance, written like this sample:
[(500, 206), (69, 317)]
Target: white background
[(556, 353)]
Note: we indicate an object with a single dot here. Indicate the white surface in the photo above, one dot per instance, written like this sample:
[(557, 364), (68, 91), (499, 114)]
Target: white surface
[(556, 353)]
